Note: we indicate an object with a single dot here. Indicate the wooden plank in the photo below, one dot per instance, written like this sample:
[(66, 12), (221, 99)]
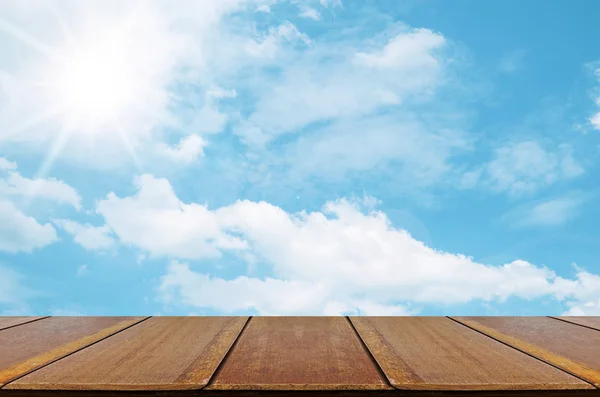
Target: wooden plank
[(13, 321), (586, 321), (570, 347), (162, 353), (298, 353), (32, 345), (436, 353)]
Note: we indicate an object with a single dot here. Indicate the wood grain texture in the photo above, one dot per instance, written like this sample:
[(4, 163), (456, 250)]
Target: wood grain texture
[(32, 345), (436, 353), (162, 353), (570, 347), (8, 322), (586, 321), (298, 353)]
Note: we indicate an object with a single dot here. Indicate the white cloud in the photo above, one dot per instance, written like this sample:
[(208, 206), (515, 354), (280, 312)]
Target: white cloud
[(323, 83), (595, 120), (320, 262), (264, 8), (524, 168), (156, 221), (407, 51), (552, 212), (331, 3), (18, 232), (7, 165), (271, 44), (310, 13), (418, 148), (583, 294), (88, 236), (52, 189), (186, 151)]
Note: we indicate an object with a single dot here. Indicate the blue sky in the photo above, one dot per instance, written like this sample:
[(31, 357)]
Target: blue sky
[(299, 157)]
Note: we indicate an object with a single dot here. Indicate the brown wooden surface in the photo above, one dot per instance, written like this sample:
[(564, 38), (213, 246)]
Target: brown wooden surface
[(436, 353), (32, 345), (571, 347), (591, 322), (298, 353), (162, 353), (8, 322)]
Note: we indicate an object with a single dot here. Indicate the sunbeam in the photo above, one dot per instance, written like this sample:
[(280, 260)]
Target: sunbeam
[(93, 84), (25, 38), (49, 159)]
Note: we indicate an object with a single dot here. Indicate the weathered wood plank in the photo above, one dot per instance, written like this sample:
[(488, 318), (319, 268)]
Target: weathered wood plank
[(568, 346), (436, 353), (298, 353), (162, 353), (13, 321), (32, 345)]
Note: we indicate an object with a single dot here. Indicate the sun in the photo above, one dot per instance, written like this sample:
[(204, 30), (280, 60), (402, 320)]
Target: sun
[(94, 84), (99, 83)]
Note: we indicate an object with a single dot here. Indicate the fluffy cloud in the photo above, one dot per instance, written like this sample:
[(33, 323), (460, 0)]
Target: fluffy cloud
[(158, 222), (19, 232), (321, 262), (7, 165), (186, 151), (15, 184), (582, 294), (88, 236), (525, 167), (325, 83), (310, 13), (412, 50)]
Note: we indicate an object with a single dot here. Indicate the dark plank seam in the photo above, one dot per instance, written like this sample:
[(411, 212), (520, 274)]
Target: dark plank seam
[(227, 354), (26, 322), (572, 323), (382, 374), (73, 352), (524, 352)]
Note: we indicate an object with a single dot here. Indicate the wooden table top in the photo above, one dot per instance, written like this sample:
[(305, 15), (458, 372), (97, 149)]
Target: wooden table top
[(277, 356)]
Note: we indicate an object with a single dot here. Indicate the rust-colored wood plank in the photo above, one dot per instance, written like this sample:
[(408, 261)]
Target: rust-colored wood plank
[(32, 345), (13, 321), (162, 353), (298, 353), (568, 346), (436, 353), (586, 321)]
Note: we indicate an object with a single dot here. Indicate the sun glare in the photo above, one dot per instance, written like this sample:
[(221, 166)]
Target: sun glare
[(93, 84)]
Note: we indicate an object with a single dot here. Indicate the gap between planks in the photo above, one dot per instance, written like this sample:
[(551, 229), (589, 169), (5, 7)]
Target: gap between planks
[(227, 354), (26, 322), (370, 354), (572, 323)]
